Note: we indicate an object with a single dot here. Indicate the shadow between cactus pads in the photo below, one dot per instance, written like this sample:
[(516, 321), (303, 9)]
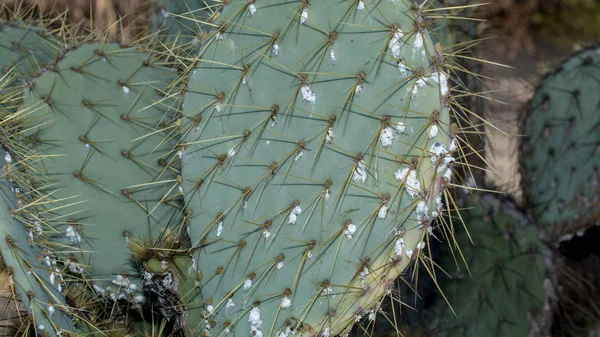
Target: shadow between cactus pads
[(317, 154)]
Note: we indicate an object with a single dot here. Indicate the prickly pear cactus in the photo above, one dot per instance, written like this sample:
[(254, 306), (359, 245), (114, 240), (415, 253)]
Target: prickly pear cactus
[(503, 280), (28, 265), (98, 159), (561, 155), (318, 140)]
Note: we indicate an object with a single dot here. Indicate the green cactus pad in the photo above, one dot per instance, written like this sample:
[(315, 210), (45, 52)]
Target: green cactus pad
[(507, 273), (561, 155), (33, 274), (97, 127), (317, 140)]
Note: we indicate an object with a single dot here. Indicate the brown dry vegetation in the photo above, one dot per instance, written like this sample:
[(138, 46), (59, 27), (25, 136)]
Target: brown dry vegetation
[(8, 311), (127, 17)]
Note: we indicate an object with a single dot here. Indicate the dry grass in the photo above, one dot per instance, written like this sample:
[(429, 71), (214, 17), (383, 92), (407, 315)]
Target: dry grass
[(8, 312), (130, 18)]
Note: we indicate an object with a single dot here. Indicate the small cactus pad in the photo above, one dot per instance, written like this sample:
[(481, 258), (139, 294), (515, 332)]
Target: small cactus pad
[(32, 272), (318, 144), (96, 125), (507, 272), (561, 154)]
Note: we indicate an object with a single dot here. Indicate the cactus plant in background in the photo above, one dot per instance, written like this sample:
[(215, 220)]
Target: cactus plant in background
[(560, 165), (503, 280), (316, 156), (560, 153)]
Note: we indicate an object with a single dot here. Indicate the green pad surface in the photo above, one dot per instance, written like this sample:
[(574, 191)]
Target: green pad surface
[(561, 155), (95, 123), (507, 272)]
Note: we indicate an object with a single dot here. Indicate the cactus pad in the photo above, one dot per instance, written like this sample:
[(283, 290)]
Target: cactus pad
[(96, 126), (318, 144), (507, 273), (561, 155)]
